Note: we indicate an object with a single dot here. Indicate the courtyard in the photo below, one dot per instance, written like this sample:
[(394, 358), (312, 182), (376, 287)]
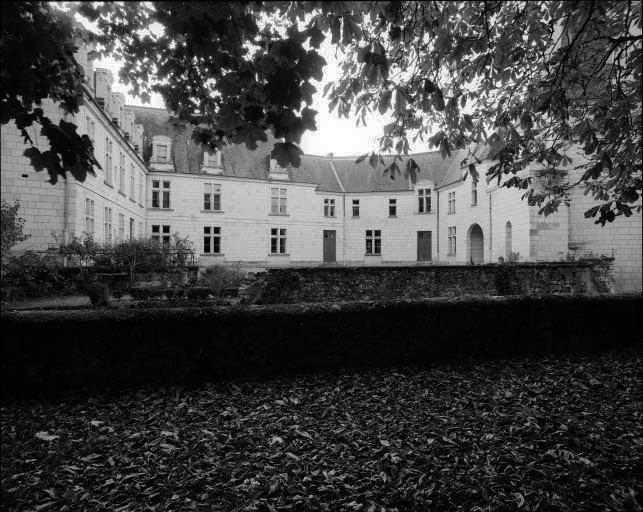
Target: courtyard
[(531, 433)]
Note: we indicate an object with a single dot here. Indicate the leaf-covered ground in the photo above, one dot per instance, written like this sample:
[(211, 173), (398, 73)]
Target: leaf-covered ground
[(547, 434)]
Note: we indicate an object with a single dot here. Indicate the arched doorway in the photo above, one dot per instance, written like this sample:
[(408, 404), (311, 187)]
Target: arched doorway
[(508, 241), (475, 244)]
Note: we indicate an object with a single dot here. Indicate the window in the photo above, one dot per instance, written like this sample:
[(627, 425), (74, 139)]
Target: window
[(161, 152), (121, 183), (424, 200), (278, 201), (108, 225), (355, 207), (132, 183), (451, 203), (161, 234), (140, 229), (160, 190), (89, 216), (277, 241), (108, 161), (141, 181), (474, 193), (392, 207), (121, 227), (211, 240), (451, 240), (329, 207), (508, 241), (91, 129), (211, 197), (373, 241)]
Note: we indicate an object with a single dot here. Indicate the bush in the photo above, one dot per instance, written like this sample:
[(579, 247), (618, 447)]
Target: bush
[(98, 294), (199, 292), (11, 226), (219, 278), (38, 274)]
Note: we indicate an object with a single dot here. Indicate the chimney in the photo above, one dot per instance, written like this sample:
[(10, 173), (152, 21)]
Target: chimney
[(117, 109), (103, 80), (128, 124), (137, 138)]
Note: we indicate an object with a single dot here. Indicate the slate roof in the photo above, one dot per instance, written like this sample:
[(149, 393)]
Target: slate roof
[(240, 162)]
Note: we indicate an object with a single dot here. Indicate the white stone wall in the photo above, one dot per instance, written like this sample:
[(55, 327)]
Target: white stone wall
[(43, 204), (245, 219)]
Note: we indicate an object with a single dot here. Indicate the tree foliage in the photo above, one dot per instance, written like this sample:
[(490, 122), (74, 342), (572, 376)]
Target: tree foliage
[(37, 46), (532, 81)]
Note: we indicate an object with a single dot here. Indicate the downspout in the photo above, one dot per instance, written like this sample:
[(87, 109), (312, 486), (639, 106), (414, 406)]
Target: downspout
[(437, 207), (341, 187), (490, 230)]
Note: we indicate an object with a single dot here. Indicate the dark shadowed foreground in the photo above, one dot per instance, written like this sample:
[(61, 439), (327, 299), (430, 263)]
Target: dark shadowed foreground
[(559, 433)]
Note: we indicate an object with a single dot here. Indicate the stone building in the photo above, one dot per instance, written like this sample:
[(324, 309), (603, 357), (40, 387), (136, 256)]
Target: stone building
[(239, 206)]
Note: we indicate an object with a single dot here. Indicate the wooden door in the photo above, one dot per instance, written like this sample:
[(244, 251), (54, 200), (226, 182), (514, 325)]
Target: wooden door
[(329, 246), (424, 246)]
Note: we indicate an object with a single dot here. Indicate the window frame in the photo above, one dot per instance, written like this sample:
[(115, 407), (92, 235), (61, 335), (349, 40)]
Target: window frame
[(212, 240), (451, 241), (90, 216), (425, 200), (373, 242), (329, 207), (107, 235), (356, 207), (278, 201), (211, 197), (278, 241), (161, 234), (392, 207)]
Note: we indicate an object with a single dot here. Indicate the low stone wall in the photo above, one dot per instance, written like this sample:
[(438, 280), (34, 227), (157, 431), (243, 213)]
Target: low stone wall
[(321, 284), (49, 351)]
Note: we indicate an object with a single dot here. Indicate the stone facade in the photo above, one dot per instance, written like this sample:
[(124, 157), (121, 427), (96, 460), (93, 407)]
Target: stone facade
[(373, 220)]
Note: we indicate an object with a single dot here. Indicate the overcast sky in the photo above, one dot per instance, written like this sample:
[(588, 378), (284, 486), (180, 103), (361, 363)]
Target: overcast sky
[(333, 135)]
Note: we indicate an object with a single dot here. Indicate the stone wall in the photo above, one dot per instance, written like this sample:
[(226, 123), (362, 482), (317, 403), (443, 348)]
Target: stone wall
[(320, 284)]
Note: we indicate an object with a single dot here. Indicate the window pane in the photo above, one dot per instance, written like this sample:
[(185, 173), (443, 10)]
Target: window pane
[(273, 245), (274, 205), (166, 184), (207, 187), (155, 229), (155, 199), (206, 230), (166, 229), (369, 232), (216, 245), (155, 184), (282, 245), (216, 202), (273, 232), (166, 199), (378, 246), (206, 244), (282, 232), (369, 246), (206, 202), (378, 233)]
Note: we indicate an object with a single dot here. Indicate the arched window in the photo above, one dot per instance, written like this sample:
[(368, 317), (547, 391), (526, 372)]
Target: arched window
[(508, 248)]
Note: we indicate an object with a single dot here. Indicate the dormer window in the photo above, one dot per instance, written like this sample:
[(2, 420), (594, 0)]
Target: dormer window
[(160, 151)]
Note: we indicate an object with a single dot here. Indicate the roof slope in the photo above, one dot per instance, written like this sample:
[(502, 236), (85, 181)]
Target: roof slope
[(238, 161)]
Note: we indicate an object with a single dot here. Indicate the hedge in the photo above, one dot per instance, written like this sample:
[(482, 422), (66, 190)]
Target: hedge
[(62, 350)]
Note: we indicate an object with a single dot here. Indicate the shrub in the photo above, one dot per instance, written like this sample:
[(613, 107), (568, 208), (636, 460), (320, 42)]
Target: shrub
[(514, 257), (218, 278), (38, 274), (98, 294), (198, 292), (81, 250), (11, 226)]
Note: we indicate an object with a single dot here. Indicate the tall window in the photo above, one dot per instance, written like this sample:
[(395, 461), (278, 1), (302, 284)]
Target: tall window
[(108, 225), (212, 197), (508, 241), (132, 183), (140, 229), (211, 240), (278, 201), (91, 129), (474, 192), (277, 241), (108, 161), (89, 216), (121, 227), (329, 207), (160, 194), (121, 183), (392, 207), (373, 241), (451, 203), (161, 152), (141, 181), (451, 240), (161, 234), (424, 200), (355, 207)]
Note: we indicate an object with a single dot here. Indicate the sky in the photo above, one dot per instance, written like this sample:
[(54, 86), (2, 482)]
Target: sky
[(334, 135)]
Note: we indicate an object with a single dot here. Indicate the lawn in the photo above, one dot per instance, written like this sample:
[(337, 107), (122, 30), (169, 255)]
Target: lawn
[(547, 434)]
